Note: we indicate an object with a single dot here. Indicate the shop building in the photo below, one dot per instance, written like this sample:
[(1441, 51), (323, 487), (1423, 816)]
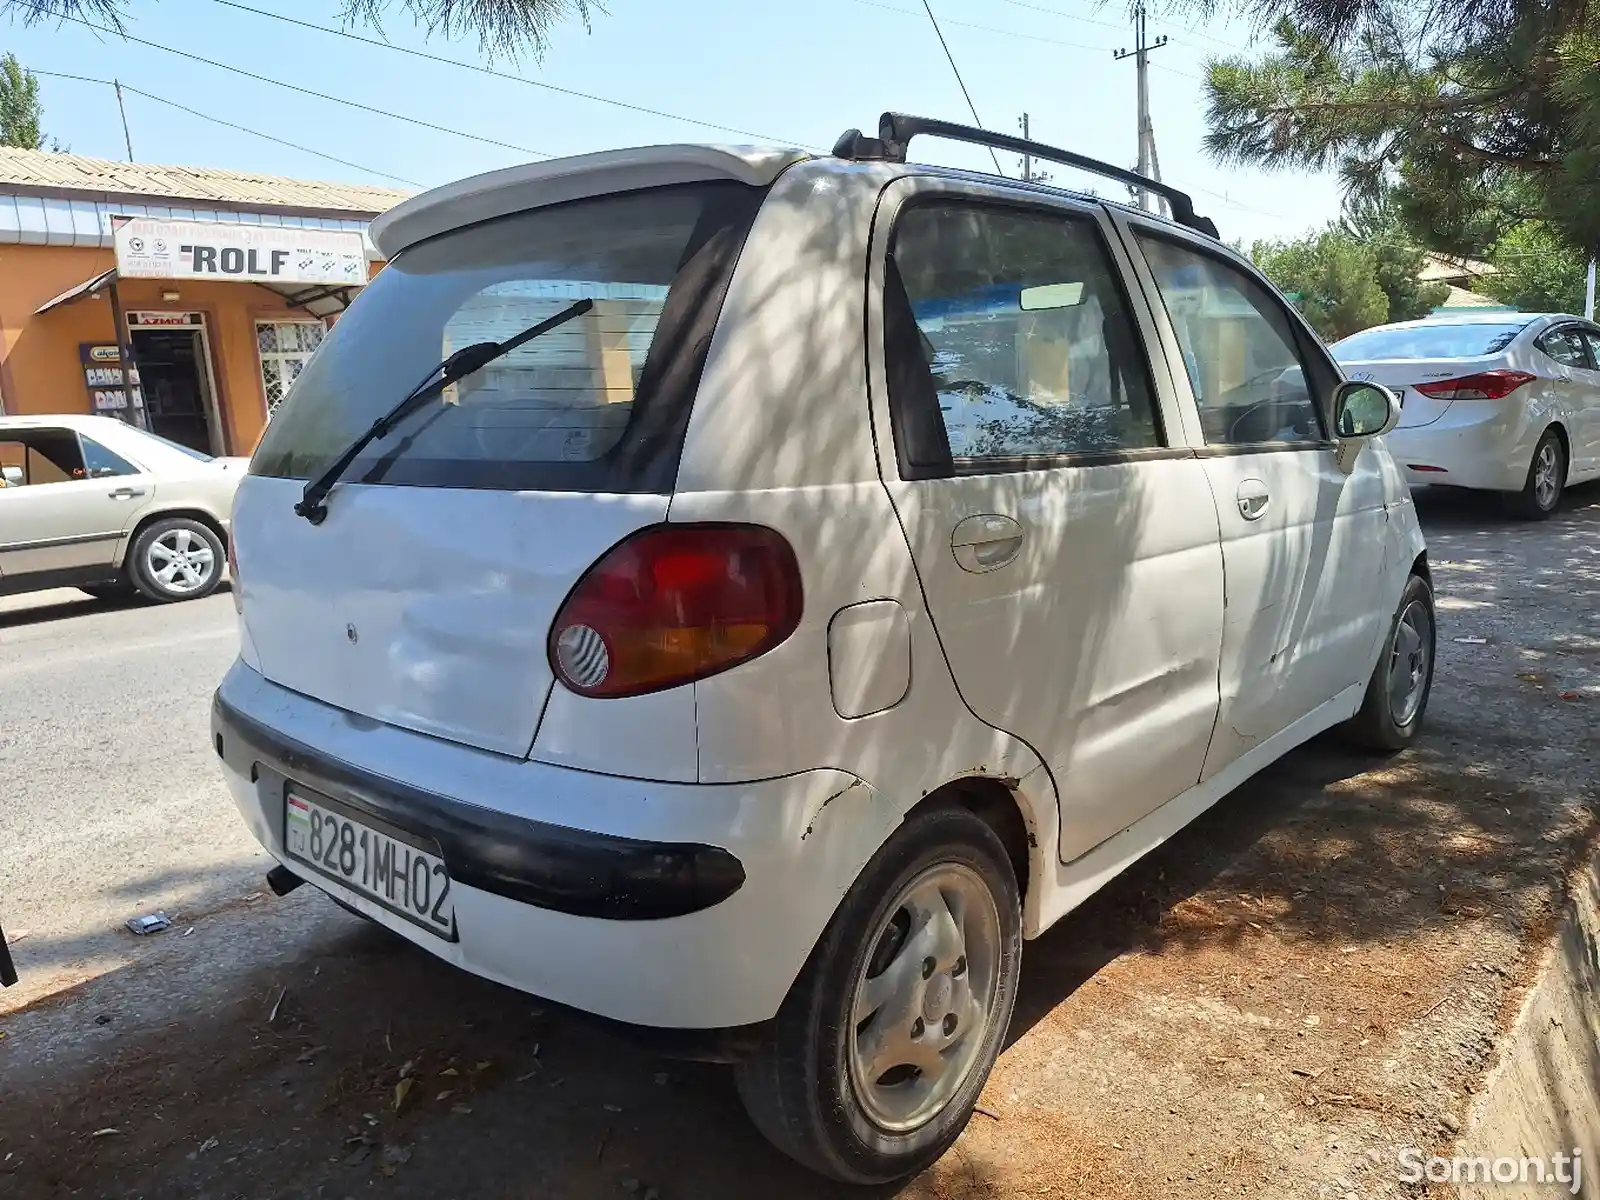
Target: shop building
[(216, 285)]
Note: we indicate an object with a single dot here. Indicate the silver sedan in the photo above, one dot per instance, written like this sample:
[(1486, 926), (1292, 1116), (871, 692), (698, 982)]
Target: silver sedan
[(93, 503)]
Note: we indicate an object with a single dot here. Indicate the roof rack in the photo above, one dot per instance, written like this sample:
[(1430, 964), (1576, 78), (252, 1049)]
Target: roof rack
[(895, 131)]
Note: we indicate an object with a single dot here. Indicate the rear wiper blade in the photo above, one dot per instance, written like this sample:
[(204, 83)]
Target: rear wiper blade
[(440, 376)]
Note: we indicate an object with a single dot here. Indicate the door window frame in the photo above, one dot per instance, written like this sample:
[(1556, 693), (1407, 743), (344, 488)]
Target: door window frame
[(1308, 346), (909, 191)]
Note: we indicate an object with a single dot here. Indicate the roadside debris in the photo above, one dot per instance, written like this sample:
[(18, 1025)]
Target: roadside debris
[(276, 1005), (1471, 641), (402, 1092), (106, 1132), (156, 922), (393, 1158)]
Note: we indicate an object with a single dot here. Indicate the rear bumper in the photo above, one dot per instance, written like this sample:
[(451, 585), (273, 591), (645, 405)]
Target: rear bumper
[(671, 906), (1474, 444), (548, 866)]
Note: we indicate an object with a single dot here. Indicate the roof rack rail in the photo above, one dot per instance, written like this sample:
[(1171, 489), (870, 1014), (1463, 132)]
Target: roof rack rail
[(895, 131)]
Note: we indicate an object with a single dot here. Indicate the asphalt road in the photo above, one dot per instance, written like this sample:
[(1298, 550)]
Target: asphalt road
[(111, 803)]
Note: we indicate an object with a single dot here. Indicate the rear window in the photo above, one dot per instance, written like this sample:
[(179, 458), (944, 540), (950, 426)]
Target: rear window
[(1428, 341), (599, 404)]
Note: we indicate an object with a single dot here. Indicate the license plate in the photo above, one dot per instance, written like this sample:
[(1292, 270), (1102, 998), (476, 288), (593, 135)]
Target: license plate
[(384, 865)]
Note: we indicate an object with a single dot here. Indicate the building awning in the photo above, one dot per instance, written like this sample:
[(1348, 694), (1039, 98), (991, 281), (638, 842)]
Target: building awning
[(318, 300), (88, 287)]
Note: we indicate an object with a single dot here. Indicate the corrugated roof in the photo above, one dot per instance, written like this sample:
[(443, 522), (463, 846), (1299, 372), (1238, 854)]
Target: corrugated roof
[(73, 174)]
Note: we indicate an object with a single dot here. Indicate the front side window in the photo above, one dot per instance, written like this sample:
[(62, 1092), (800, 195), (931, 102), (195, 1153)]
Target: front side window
[(1592, 338), (1012, 325), (35, 456), (1566, 346), (599, 404), (1239, 348)]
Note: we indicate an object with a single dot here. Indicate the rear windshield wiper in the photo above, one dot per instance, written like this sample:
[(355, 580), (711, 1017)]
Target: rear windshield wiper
[(460, 364)]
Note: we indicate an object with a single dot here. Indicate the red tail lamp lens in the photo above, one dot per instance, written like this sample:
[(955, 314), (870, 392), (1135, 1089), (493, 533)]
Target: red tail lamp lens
[(674, 604), (1485, 385)]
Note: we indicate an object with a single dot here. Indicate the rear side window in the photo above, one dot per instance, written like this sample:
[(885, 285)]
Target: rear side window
[(1244, 359), (1566, 346), (1009, 342), (102, 463), (599, 404)]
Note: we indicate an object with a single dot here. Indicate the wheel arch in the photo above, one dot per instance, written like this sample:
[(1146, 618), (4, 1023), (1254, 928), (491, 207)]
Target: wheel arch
[(208, 519), (1000, 804)]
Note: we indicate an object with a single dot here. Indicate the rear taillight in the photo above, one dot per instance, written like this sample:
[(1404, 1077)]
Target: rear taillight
[(1485, 385), (673, 604)]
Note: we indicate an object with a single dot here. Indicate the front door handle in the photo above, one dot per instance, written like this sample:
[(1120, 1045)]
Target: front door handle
[(125, 493), (986, 542), (1253, 499)]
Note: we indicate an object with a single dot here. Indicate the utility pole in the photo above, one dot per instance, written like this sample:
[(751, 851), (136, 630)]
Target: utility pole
[(1588, 298), (1027, 159), (127, 138), (1141, 60)]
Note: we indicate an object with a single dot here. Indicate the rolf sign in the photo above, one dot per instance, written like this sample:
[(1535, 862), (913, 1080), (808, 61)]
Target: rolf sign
[(153, 249)]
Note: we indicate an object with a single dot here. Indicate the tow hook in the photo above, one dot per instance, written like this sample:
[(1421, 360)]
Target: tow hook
[(282, 881)]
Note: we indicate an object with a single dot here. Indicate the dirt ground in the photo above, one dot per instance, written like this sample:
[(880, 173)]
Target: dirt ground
[(1305, 981)]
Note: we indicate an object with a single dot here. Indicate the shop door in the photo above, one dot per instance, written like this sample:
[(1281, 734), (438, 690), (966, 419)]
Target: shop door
[(172, 371)]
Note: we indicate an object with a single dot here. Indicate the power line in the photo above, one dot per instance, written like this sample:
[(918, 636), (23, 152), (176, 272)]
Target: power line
[(1056, 12), (382, 112), (973, 108), (483, 70), (228, 124), (1011, 33)]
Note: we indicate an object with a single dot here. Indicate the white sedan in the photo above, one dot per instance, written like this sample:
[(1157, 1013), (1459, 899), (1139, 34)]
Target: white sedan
[(92, 503), (1505, 402)]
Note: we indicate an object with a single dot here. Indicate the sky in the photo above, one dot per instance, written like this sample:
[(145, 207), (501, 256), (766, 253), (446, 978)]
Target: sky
[(797, 74)]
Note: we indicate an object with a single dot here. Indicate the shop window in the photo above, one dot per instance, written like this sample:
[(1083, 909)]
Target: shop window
[(285, 348)]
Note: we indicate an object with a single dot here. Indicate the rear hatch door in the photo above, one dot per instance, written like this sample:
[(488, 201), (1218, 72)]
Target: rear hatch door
[(425, 598)]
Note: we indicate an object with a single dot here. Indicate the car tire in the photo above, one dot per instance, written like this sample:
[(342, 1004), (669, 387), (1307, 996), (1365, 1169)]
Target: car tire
[(1402, 681), (816, 1086), (1547, 478), (176, 558)]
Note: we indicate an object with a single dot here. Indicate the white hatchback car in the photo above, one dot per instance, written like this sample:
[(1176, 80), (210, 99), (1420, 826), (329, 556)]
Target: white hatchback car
[(93, 503), (1507, 402), (805, 578)]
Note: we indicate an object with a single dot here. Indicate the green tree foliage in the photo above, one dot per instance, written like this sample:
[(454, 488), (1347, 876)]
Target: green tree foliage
[(502, 26), (1537, 271), (1482, 114), (1379, 222), (19, 106), (1335, 277)]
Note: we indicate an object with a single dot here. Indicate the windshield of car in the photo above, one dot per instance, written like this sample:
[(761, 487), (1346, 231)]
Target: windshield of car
[(1428, 341), (596, 405)]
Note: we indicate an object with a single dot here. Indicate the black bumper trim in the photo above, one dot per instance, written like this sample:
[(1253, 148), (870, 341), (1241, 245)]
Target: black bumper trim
[(533, 862)]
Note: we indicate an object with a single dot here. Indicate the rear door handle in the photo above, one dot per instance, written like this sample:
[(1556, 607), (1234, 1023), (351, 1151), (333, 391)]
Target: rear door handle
[(1253, 499), (986, 542), (125, 493)]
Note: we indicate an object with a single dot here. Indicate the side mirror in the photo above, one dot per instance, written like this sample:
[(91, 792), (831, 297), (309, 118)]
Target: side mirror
[(1363, 410)]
